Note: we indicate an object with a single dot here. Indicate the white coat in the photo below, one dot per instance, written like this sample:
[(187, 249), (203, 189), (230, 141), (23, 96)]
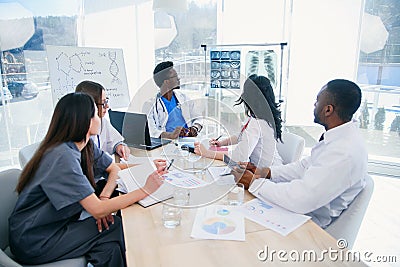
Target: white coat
[(158, 114), (257, 145), (109, 138), (323, 184)]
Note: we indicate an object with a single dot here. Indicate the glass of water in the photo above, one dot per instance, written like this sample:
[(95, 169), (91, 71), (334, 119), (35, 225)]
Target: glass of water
[(181, 197), (235, 196), (171, 216)]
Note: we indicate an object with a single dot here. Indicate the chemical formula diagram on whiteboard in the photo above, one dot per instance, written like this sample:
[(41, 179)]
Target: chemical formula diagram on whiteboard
[(69, 65)]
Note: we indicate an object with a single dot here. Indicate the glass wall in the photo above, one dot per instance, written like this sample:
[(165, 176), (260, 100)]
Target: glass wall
[(318, 47), (379, 76), (26, 103)]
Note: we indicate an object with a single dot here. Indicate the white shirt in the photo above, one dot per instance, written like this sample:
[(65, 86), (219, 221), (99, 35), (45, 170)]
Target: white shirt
[(158, 114), (257, 144), (324, 184), (109, 138)]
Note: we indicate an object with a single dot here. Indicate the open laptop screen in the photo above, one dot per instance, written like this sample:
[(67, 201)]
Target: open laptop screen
[(134, 128)]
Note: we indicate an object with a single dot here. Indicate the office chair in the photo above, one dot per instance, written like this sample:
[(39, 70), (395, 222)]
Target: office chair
[(292, 147), (26, 153), (21, 118), (346, 226), (8, 198)]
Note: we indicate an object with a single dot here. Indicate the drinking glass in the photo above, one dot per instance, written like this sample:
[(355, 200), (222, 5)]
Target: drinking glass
[(235, 196), (192, 157), (171, 216), (181, 197)]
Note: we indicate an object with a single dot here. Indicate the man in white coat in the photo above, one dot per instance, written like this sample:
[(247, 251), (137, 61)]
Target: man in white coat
[(325, 183), (173, 114)]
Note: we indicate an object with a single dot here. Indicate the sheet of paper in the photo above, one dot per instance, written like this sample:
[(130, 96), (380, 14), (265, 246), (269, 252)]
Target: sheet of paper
[(135, 177), (136, 160), (271, 216), (183, 179), (221, 175), (218, 222)]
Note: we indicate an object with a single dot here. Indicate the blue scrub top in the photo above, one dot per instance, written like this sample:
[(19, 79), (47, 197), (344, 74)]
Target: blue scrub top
[(175, 117)]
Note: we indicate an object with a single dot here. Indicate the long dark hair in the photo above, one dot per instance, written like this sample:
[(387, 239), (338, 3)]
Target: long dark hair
[(70, 122), (259, 101)]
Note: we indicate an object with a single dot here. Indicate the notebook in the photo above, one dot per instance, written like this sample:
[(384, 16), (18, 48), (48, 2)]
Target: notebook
[(134, 127), (135, 177)]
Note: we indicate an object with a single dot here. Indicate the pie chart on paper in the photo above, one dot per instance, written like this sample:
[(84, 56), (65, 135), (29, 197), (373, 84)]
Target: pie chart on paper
[(218, 226)]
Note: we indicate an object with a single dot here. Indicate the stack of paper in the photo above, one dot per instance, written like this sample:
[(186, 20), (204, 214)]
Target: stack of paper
[(135, 177)]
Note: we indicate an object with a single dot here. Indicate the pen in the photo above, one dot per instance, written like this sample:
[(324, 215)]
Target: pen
[(170, 164), (216, 139)]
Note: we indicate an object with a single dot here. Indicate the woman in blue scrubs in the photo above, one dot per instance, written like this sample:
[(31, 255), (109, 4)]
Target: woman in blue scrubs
[(58, 183)]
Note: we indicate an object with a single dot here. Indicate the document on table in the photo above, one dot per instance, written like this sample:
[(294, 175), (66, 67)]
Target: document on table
[(183, 179), (272, 216), (135, 177), (136, 160), (221, 175), (218, 222)]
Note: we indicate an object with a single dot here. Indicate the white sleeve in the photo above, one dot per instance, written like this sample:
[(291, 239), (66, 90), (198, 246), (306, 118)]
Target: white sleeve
[(151, 119), (321, 183), (248, 142), (192, 109), (110, 137), (291, 171), (196, 112)]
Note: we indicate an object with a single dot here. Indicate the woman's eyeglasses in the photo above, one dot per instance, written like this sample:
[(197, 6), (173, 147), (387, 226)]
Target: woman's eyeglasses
[(105, 103)]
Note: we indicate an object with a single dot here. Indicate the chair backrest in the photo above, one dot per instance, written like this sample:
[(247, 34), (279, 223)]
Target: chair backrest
[(26, 153), (8, 198), (292, 147), (346, 226)]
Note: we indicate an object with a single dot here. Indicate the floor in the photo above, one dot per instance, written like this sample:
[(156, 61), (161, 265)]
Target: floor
[(379, 234)]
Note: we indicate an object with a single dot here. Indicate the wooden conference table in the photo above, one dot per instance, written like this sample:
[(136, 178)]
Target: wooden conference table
[(149, 243)]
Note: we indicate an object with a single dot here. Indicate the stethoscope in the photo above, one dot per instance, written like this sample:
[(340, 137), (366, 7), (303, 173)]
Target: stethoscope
[(178, 104)]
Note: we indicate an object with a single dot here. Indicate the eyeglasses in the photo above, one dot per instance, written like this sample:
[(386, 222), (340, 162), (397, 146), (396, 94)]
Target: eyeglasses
[(176, 76), (105, 103)]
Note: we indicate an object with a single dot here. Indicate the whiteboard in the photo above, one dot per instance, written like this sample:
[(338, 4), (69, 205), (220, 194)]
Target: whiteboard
[(69, 65)]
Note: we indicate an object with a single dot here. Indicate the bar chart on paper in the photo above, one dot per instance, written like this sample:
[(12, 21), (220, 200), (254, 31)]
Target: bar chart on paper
[(272, 217)]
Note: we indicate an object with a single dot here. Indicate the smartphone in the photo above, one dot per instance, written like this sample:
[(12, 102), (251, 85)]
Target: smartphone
[(170, 164), (189, 148), (231, 164)]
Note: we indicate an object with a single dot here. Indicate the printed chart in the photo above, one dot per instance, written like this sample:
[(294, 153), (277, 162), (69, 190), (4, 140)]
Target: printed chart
[(272, 217), (218, 222), (184, 180)]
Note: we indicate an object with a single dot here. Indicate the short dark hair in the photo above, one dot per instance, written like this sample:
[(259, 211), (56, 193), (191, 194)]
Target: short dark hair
[(345, 96), (161, 72)]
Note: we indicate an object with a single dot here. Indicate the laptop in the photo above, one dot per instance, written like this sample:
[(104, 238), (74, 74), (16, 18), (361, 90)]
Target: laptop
[(134, 128)]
